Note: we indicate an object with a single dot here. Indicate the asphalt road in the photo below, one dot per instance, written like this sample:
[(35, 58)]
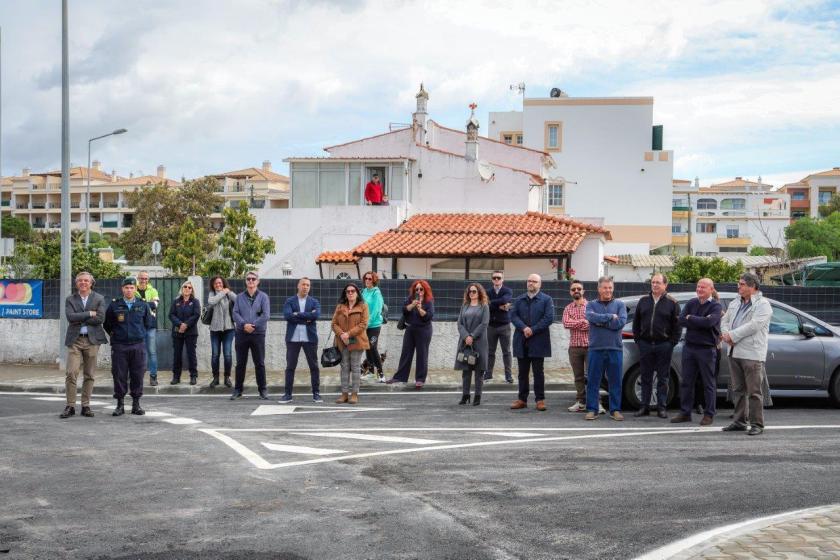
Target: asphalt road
[(403, 476)]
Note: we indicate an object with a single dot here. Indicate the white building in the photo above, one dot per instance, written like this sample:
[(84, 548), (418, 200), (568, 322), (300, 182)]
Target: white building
[(815, 190), (728, 217), (610, 164)]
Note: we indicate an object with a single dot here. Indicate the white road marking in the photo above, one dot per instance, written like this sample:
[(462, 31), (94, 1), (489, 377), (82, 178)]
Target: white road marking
[(181, 421), (372, 437), (608, 428), (157, 413), (252, 457), (510, 434), (272, 409), (709, 538), (301, 449), (42, 502)]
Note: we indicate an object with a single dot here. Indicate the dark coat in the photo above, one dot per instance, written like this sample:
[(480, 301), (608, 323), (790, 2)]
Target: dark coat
[(79, 315), (185, 312), (701, 322), (537, 313), (659, 322), (128, 325), (476, 327), (499, 317), (413, 319), (297, 316)]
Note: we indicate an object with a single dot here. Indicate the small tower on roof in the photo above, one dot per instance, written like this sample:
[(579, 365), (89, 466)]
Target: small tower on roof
[(472, 135), (419, 117)]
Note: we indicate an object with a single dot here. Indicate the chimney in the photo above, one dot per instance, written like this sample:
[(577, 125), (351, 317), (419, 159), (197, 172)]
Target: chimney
[(696, 182), (419, 117), (266, 166), (131, 175), (739, 178), (113, 175), (472, 135), (26, 171), (161, 171), (96, 165)]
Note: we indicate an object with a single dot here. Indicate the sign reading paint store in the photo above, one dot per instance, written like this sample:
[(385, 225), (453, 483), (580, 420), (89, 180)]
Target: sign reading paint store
[(21, 299)]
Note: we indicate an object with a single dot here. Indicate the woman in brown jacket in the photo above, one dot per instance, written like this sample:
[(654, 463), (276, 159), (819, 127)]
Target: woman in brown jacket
[(349, 323)]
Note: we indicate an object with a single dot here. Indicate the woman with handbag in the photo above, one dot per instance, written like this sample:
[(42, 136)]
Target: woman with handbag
[(184, 314), (220, 303), (349, 323), (375, 302), (417, 313), (471, 357)]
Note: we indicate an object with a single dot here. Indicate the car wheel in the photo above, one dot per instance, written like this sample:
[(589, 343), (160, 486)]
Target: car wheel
[(633, 389), (834, 389)]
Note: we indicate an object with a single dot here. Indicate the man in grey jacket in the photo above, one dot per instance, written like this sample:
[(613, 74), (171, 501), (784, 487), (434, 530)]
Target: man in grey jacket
[(85, 312), (744, 328)]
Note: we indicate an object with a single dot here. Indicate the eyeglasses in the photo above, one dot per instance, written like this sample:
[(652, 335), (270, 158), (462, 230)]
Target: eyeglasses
[(472, 291), (576, 290), (419, 290), (250, 279), (497, 277), (187, 287), (368, 278), (351, 291)]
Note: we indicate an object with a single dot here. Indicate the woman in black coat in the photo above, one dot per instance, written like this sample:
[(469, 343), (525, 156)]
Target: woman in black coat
[(184, 313)]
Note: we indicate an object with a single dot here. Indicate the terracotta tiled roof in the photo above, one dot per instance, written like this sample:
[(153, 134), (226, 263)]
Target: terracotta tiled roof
[(80, 172), (739, 182), (611, 260), (145, 180), (487, 235), (336, 257), (834, 172), (256, 174), (643, 261)]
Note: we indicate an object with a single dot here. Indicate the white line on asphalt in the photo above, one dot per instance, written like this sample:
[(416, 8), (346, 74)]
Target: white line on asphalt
[(510, 434), (272, 409), (157, 413), (503, 428), (254, 459), (708, 538), (371, 437), (181, 421), (301, 449)]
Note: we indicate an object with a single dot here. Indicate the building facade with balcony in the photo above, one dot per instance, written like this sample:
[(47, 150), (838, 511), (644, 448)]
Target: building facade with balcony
[(258, 187), (812, 192), (727, 218)]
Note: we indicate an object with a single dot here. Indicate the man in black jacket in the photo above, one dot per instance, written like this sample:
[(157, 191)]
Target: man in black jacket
[(656, 331), (499, 329)]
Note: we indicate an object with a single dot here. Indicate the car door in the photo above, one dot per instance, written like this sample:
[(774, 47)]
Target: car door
[(794, 361)]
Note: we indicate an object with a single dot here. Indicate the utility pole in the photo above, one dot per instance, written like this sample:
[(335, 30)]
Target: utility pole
[(66, 263)]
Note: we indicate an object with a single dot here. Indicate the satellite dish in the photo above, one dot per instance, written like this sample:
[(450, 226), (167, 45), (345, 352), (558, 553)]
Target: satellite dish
[(485, 171), (556, 92)]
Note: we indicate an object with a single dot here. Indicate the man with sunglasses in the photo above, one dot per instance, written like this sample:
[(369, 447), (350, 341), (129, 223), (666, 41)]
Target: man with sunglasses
[(574, 319), (499, 328), (250, 318), (301, 311)]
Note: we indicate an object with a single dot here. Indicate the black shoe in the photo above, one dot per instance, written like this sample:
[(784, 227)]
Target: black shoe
[(755, 430), (227, 381), (215, 382), (135, 408), (236, 395), (508, 379), (153, 381), (488, 376), (68, 412), (193, 380), (477, 400), (175, 381), (87, 412), (661, 413), (118, 410), (263, 395), (644, 411), (680, 418), (735, 427), (465, 400)]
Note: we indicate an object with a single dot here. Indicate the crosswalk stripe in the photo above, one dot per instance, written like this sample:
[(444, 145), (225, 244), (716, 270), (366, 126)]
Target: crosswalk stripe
[(372, 437), (301, 449), (510, 434), (177, 420)]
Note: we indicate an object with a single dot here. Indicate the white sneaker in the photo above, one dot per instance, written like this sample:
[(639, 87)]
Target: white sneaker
[(601, 409), (577, 407)]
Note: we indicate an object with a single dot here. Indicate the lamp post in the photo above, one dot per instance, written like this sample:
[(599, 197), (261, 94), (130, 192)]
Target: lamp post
[(87, 202)]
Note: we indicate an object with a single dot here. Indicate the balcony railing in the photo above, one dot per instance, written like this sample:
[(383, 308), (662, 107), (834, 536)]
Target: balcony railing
[(5, 203), (113, 224), (39, 205), (111, 205), (37, 225), (681, 208)]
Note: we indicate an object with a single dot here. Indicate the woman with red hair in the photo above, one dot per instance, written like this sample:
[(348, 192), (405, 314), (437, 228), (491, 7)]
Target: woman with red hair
[(418, 310)]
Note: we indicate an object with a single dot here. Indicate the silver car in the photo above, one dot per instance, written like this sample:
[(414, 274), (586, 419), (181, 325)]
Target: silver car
[(803, 355)]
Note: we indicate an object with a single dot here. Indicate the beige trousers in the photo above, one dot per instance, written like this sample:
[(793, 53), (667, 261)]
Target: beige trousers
[(82, 354)]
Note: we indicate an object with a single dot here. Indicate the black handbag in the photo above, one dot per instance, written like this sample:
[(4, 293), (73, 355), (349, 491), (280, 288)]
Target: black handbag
[(467, 356), (384, 314), (207, 314), (330, 356), (401, 323)]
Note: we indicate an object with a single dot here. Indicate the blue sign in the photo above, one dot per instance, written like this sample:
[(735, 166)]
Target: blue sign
[(21, 299)]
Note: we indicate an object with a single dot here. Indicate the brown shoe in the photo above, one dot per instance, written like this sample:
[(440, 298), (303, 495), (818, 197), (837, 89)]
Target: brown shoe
[(591, 415), (617, 416), (680, 418), (517, 405), (707, 420), (541, 406), (354, 398), (342, 399)]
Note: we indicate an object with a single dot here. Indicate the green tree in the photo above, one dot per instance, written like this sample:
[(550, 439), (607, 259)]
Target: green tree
[(240, 243), (183, 257), (690, 269), (160, 211), (17, 228), (833, 206), (808, 237), (44, 256), (757, 251)]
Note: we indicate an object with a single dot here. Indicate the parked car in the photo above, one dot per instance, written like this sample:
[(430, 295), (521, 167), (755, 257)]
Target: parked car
[(803, 355)]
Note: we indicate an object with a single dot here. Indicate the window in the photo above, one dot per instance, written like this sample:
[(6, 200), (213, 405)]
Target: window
[(356, 192), (555, 194), (825, 197), (507, 139), (519, 140), (706, 228), (397, 190), (797, 214), (798, 195), (732, 232), (679, 203), (783, 322), (331, 184), (553, 136), (733, 204), (676, 228), (733, 249), (707, 204), (305, 188)]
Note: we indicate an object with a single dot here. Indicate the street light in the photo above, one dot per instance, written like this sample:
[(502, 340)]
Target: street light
[(87, 202)]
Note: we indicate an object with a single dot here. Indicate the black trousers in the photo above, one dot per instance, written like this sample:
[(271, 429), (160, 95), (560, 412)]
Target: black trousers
[(415, 339), (310, 350), (525, 365), (372, 354), (128, 365), (698, 361), (255, 343), (655, 357), (179, 343)]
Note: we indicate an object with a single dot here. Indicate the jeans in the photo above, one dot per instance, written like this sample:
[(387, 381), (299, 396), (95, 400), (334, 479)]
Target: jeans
[(151, 351), (600, 362), (655, 357), (221, 341)]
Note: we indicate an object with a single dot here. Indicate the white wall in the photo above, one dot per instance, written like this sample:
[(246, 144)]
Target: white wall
[(630, 273), (588, 260), (488, 149), (503, 121)]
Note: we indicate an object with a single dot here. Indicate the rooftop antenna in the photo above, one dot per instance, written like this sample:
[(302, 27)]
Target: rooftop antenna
[(518, 88)]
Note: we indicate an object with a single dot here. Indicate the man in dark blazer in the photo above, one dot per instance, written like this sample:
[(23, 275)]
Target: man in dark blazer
[(499, 329), (301, 311), (532, 315), (85, 312)]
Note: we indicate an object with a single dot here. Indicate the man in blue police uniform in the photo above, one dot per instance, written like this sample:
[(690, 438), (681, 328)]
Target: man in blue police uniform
[(126, 321)]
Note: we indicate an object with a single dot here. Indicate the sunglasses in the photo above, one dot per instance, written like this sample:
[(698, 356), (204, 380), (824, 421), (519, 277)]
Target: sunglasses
[(577, 289), (350, 291), (187, 288), (472, 291), (419, 290), (250, 279), (497, 278)]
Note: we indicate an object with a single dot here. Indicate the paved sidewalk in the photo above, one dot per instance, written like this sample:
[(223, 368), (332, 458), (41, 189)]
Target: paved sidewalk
[(51, 379), (811, 533)]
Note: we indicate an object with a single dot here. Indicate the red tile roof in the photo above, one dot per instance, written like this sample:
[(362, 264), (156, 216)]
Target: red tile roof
[(336, 257), (486, 235)]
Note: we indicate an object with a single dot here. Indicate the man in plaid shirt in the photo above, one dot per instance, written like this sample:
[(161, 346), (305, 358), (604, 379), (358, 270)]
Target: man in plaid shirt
[(574, 319)]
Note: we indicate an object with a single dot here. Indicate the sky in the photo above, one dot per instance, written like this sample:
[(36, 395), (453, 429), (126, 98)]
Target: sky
[(743, 88)]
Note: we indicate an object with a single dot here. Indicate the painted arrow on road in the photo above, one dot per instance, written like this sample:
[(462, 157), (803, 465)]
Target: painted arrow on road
[(272, 409)]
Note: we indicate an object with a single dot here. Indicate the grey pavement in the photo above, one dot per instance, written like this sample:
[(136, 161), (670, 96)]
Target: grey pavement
[(402, 475)]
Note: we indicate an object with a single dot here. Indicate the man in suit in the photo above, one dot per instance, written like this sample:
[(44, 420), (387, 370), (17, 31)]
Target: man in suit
[(532, 315), (85, 312), (301, 311)]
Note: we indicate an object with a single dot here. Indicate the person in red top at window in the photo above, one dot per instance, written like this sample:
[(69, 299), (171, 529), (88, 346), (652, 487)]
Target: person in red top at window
[(374, 194)]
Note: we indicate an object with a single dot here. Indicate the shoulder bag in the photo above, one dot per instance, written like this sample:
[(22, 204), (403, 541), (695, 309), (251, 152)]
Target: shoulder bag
[(330, 355)]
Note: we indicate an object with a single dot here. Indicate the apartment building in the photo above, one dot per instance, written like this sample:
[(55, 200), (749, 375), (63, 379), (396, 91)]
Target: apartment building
[(258, 187), (815, 190), (610, 165), (727, 218)]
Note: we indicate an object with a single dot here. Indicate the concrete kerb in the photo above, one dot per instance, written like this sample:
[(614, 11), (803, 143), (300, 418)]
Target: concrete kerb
[(696, 544)]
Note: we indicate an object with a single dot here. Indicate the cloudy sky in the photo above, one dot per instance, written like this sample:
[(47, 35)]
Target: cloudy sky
[(742, 87)]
